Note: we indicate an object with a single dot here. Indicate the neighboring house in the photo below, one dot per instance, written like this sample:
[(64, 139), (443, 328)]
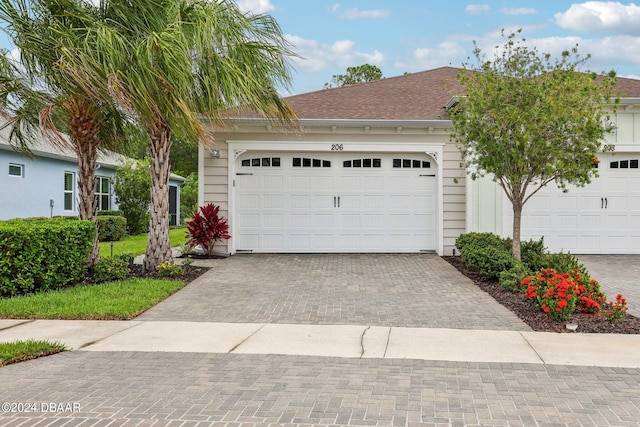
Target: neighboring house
[(373, 169), (47, 184)]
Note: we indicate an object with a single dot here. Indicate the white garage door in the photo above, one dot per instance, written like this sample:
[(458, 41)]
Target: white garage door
[(600, 218), (335, 202)]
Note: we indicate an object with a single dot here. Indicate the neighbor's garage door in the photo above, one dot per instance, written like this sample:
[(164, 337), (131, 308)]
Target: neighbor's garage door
[(600, 218), (337, 202)]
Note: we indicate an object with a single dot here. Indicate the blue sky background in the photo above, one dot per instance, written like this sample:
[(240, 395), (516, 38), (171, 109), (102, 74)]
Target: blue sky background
[(415, 35)]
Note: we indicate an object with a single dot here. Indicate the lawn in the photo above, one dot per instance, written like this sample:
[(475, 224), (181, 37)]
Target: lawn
[(122, 300), (19, 351), (137, 245)]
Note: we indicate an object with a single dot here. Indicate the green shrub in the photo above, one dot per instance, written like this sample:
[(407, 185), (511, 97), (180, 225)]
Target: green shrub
[(533, 254), (39, 255), (169, 269), (111, 228), (132, 186), (488, 260), (564, 263), (482, 240), (111, 269), (512, 279)]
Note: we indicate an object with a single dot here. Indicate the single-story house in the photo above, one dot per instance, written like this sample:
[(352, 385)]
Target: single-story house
[(46, 185), (373, 169)]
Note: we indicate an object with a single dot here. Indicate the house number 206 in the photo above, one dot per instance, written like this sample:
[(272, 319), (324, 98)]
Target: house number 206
[(337, 147)]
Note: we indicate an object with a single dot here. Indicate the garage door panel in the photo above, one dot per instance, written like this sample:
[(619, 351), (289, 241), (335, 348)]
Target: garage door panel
[(584, 222), (273, 201), (300, 220), (333, 208), (597, 218), (271, 183), (300, 201), (272, 241), (273, 220)]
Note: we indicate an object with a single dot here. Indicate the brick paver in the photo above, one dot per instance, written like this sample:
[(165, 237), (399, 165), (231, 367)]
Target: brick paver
[(412, 290), (617, 274), (199, 389), (223, 389)]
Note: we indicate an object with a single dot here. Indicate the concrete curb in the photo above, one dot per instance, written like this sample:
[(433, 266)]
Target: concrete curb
[(344, 341)]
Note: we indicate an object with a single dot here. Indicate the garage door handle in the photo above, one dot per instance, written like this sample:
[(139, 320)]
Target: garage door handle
[(606, 203), (601, 203), (338, 201), (334, 201)]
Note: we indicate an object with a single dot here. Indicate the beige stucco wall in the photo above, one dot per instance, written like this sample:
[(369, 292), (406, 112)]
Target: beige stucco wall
[(214, 187)]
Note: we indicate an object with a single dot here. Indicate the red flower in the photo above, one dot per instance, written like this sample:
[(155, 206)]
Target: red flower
[(562, 303)]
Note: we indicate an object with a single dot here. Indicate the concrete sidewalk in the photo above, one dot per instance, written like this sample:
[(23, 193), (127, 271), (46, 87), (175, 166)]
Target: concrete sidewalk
[(342, 341)]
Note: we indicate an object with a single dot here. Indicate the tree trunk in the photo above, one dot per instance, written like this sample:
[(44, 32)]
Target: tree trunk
[(84, 133), (158, 246), (517, 219)]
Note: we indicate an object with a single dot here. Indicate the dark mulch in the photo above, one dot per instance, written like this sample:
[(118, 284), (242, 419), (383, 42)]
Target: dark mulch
[(526, 310), (191, 273)]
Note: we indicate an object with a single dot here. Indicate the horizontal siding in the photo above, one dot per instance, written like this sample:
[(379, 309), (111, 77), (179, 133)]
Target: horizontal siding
[(215, 184), (454, 197)]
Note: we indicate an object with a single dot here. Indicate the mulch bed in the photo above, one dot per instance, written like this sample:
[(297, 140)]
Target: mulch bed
[(539, 321), (190, 274)]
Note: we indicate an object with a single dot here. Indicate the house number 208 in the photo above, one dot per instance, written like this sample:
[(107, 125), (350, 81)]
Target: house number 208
[(337, 147)]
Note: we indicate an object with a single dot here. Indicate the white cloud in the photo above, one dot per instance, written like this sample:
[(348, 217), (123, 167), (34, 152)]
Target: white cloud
[(477, 9), (597, 16), (518, 11), (425, 58), (255, 6), (356, 13), (316, 56), (15, 55)]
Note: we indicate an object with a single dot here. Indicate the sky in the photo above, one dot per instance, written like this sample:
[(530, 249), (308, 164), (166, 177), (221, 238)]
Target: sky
[(416, 35), (402, 36)]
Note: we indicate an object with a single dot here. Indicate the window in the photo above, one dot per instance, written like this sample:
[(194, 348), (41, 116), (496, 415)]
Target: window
[(16, 170), (411, 164), (103, 193), (299, 162), (362, 163), (69, 193), (264, 162), (624, 164)]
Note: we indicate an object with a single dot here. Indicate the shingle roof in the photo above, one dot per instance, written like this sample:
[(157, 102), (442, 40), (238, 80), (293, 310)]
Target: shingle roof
[(416, 96)]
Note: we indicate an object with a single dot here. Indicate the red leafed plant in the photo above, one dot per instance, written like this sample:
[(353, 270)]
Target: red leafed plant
[(206, 228)]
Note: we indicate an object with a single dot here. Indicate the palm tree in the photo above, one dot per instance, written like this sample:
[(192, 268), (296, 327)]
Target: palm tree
[(39, 94), (175, 63)]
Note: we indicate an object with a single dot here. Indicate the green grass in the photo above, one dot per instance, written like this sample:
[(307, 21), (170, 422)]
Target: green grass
[(19, 351), (122, 300), (137, 245)]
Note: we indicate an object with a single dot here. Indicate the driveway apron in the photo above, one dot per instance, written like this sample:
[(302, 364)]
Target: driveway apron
[(410, 290)]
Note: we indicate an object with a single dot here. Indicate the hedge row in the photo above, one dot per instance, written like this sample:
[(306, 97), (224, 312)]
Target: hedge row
[(39, 255), (491, 255)]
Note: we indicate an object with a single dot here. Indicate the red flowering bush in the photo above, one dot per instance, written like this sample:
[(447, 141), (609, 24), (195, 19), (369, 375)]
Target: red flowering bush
[(560, 294), (206, 228), (617, 310), (590, 297), (556, 294)]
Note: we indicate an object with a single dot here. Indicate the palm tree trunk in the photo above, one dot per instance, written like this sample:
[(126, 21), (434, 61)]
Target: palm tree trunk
[(84, 133), (158, 246)]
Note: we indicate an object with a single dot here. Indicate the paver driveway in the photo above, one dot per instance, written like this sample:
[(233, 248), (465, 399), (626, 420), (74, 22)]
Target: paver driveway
[(198, 389), (412, 290)]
